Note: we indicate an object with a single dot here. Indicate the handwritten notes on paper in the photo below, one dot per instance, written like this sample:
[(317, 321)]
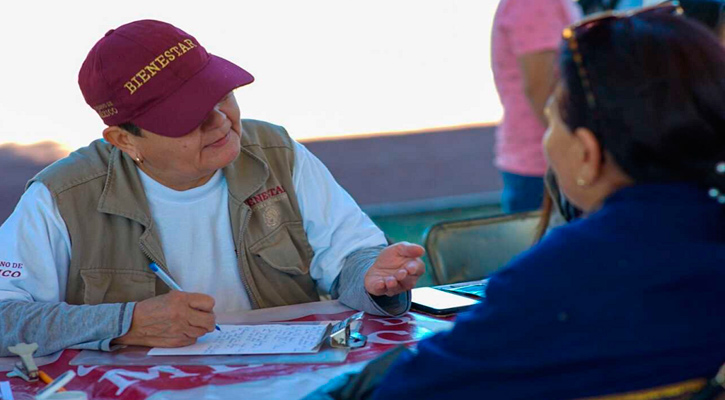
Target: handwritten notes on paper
[(253, 339)]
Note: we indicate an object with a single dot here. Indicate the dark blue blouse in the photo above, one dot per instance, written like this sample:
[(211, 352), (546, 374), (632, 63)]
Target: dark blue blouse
[(628, 298)]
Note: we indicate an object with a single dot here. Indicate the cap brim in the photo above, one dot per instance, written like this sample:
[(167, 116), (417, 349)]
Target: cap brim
[(188, 106)]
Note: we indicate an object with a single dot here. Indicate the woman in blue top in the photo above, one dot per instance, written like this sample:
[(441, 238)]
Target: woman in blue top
[(628, 297)]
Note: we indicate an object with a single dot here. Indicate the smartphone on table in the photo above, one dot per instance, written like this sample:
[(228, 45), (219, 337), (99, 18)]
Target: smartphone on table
[(476, 289), (438, 302)]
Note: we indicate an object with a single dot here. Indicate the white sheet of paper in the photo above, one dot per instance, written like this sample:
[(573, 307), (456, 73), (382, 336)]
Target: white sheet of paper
[(253, 339)]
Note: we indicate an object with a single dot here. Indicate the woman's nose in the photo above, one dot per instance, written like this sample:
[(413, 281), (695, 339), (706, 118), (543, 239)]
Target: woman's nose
[(214, 119)]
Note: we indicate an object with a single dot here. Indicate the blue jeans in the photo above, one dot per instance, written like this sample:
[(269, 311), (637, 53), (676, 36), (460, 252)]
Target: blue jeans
[(521, 193)]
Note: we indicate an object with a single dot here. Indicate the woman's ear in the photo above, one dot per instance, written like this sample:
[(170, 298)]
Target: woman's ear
[(592, 158), (123, 140)]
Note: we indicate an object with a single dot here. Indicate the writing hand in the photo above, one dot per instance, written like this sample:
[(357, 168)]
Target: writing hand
[(174, 319)]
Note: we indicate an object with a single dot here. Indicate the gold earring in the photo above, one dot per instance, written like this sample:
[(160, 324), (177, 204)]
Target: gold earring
[(581, 182), (139, 160)]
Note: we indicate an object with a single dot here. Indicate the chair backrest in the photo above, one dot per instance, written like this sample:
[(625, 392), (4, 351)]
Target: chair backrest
[(688, 390), (473, 249)]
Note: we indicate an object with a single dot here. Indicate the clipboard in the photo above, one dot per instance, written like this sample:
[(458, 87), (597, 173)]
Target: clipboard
[(340, 338)]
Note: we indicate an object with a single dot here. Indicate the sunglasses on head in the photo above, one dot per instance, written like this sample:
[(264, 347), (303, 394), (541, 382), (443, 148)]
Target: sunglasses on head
[(573, 33)]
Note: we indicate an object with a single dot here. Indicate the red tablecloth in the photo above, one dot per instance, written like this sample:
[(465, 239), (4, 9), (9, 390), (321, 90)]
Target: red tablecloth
[(131, 383)]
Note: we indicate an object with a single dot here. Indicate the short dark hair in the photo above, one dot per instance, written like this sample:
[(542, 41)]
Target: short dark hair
[(659, 86), (131, 128)]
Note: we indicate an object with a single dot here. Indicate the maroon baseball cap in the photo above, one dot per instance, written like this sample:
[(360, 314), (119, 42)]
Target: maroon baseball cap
[(157, 77)]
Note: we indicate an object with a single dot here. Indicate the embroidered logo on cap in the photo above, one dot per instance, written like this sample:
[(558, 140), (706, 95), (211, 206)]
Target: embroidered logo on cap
[(158, 63), (106, 109)]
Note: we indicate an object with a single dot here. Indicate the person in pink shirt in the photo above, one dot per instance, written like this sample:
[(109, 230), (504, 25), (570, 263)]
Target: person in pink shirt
[(525, 38)]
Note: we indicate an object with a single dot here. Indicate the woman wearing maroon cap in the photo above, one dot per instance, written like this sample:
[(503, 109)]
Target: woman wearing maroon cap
[(236, 211)]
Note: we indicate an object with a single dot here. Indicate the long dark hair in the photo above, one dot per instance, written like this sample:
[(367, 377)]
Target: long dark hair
[(659, 85)]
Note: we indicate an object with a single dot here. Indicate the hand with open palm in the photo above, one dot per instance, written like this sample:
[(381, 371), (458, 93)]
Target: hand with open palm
[(396, 270)]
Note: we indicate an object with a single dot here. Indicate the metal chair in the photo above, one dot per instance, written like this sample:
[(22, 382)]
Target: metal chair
[(472, 249)]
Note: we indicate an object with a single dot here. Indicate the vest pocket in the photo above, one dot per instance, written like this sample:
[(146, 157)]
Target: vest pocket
[(285, 249), (117, 286)]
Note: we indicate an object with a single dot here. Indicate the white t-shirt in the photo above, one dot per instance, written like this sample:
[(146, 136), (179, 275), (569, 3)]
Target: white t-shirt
[(35, 248)]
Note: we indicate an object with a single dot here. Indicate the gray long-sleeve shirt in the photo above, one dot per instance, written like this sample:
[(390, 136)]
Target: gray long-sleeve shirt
[(56, 326)]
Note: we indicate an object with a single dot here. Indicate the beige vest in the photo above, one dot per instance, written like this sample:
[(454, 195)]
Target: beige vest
[(113, 237)]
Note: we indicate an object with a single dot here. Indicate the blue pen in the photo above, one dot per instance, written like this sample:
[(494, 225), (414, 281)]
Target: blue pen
[(169, 281)]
